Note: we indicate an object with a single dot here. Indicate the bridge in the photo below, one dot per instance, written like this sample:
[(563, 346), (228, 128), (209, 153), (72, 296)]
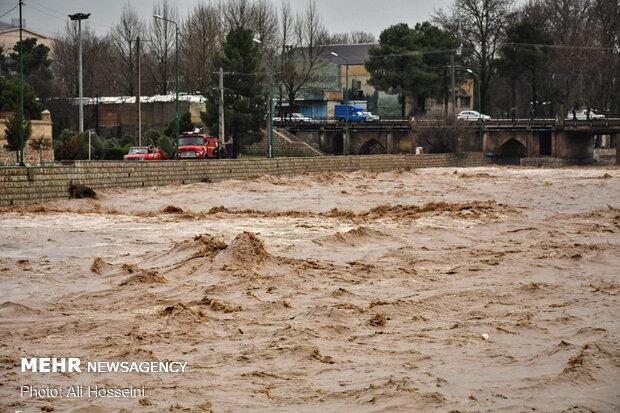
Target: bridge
[(567, 141)]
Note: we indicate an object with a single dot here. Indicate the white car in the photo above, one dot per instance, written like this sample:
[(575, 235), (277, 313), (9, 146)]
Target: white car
[(370, 117), (472, 115), (293, 117), (582, 114)]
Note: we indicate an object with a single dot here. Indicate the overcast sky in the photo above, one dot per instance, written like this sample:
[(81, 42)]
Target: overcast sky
[(49, 16)]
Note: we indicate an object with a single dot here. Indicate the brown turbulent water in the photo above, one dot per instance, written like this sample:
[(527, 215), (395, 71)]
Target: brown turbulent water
[(484, 289)]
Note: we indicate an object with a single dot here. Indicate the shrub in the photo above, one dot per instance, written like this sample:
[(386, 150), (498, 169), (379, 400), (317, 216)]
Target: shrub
[(65, 135), (166, 145), (128, 140), (111, 143), (98, 147), (147, 141), (151, 134), (59, 150), (114, 154)]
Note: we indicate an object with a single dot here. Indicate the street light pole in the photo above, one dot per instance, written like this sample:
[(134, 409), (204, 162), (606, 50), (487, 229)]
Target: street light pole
[(347, 112), (176, 47), (270, 123), (453, 94), (79, 17), (346, 119), (21, 91), (271, 154), (176, 27), (476, 80)]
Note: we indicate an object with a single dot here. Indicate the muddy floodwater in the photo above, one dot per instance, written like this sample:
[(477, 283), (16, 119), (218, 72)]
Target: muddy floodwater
[(480, 289)]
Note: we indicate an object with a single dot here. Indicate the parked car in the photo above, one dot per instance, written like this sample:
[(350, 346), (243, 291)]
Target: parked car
[(582, 114), (293, 117), (370, 117), (145, 153), (472, 115)]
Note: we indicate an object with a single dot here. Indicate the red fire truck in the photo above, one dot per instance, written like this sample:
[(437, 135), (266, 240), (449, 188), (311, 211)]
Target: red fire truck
[(196, 145)]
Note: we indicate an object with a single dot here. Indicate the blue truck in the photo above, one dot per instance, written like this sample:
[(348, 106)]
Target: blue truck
[(353, 112)]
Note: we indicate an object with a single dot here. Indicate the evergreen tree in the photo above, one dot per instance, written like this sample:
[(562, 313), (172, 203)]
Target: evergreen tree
[(166, 145), (36, 58), (185, 125), (9, 99), (407, 61), (12, 134), (243, 100), (37, 65)]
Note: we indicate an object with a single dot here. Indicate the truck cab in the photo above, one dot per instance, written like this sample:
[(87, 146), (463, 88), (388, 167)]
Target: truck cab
[(196, 145)]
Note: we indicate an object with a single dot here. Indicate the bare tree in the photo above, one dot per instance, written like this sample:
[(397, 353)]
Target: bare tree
[(202, 35), (259, 16), (286, 27), (40, 144), (585, 34), (604, 19), (238, 13), (362, 37), (96, 57), (339, 38), (286, 31), (351, 38), (479, 26), (123, 37), (65, 57), (300, 59), (162, 46), (265, 25), (566, 19)]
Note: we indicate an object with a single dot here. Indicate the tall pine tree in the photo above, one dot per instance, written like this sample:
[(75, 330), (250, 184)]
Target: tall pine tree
[(244, 102), (408, 61)]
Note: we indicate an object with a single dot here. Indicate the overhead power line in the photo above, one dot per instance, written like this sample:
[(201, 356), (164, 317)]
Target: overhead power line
[(561, 46), (9, 11)]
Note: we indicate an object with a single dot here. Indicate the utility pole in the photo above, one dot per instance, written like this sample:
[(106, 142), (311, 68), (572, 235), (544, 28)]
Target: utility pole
[(221, 106), (346, 119), (138, 106), (271, 152), (453, 87), (176, 49), (270, 120), (346, 105), (79, 17), (21, 90)]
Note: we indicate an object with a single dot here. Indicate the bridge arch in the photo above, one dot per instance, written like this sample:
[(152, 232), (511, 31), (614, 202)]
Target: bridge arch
[(371, 147), (512, 151)]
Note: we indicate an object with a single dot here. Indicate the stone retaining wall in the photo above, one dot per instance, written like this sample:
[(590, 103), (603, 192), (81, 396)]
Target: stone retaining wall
[(33, 184), (605, 156), (551, 162)]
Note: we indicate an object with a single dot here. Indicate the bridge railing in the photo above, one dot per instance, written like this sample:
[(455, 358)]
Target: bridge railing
[(331, 122), (606, 124)]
